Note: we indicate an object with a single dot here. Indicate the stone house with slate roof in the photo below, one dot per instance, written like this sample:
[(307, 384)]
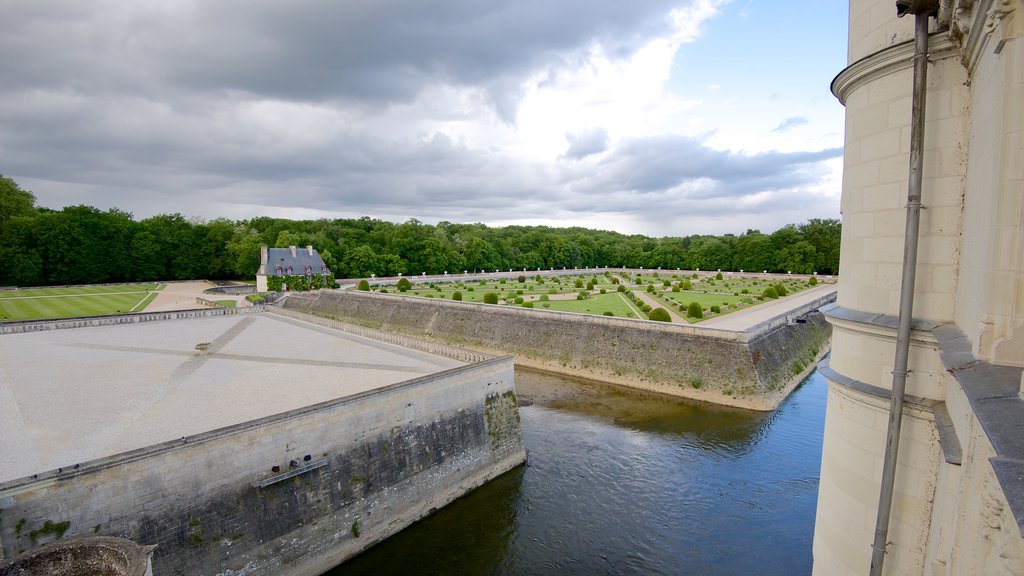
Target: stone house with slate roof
[(288, 262)]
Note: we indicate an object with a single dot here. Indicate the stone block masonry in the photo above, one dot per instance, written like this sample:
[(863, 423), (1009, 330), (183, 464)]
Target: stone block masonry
[(753, 369), (350, 472)]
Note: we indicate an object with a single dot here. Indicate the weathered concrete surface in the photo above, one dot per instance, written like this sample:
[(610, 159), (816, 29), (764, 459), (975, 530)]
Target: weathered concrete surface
[(92, 556), (71, 396), (753, 369), (352, 469)]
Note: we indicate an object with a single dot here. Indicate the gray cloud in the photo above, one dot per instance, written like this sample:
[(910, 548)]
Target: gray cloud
[(160, 107), (586, 143)]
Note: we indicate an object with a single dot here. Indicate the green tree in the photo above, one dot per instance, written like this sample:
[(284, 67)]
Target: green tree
[(14, 201)]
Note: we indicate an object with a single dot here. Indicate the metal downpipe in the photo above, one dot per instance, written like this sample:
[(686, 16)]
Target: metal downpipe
[(899, 372)]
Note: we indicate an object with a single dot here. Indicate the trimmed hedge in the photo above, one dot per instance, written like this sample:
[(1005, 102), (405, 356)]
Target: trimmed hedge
[(659, 315)]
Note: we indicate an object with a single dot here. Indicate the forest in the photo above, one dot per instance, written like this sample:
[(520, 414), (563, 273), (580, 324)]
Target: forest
[(86, 245)]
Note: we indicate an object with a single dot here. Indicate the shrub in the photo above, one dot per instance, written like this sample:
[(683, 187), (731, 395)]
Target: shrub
[(675, 288), (694, 310), (718, 276), (458, 296), (813, 281), (403, 284), (590, 285), (615, 280), (363, 285), (483, 282), (519, 291), (503, 281), (469, 289), (659, 315), (582, 295), (696, 382), (527, 304), (770, 292), (780, 289), (646, 308), (715, 308), (603, 290), (519, 300), (744, 291), (578, 283), (383, 290), (686, 285), (552, 290), (650, 288), (491, 298), (621, 288), (521, 279), (694, 274), (544, 298), (608, 313)]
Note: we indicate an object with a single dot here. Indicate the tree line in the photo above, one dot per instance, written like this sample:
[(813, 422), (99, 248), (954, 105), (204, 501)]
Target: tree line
[(84, 245)]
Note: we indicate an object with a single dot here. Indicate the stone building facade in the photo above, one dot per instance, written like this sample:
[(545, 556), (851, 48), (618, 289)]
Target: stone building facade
[(959, 491)]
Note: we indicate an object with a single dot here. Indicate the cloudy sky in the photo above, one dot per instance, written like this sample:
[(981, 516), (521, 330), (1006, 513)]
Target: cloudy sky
[(659, 117)]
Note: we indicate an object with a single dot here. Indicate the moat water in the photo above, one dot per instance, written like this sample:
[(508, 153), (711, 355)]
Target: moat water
[(623, 482)]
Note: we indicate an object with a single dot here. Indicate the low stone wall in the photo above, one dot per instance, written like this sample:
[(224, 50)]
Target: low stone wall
[(351, 472), (20, 326), (749, 370)]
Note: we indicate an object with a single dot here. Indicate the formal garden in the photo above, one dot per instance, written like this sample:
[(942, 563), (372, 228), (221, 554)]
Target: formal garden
[(692, 297)]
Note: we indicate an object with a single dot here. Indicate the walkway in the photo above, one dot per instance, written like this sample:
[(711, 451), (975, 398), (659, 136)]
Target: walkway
[(747, 318)]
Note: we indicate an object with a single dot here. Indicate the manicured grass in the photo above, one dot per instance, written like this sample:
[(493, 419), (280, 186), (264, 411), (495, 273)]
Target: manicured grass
[(41, 303), (226, 303), (596, 304), (708, 291)]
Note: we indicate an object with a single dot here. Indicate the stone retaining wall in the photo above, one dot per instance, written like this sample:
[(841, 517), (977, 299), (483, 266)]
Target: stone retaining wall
[(351, 472), (751, 370)]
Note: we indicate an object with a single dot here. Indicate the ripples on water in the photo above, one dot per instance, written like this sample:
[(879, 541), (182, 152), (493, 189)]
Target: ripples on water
[(621, 482)]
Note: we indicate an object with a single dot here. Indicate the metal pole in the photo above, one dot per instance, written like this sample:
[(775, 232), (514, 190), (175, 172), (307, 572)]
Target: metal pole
[(899, 372)]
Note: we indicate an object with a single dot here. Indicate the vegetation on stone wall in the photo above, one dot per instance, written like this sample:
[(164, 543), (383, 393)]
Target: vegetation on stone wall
[(83, 244)]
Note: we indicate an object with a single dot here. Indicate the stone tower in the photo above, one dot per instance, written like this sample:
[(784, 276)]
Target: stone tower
[(958, 503)]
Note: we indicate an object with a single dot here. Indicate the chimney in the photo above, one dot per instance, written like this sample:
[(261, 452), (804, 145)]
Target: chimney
[(310, 250), (292, 248), (263, 260)]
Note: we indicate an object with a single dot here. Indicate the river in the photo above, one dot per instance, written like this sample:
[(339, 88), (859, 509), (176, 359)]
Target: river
[(626, 482)]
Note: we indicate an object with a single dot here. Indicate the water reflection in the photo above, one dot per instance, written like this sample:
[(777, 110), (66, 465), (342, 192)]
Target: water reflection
[(621, 482)]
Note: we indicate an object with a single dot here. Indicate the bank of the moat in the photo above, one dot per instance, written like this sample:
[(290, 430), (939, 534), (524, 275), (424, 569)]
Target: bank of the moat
[(624, 482), (754, 368)]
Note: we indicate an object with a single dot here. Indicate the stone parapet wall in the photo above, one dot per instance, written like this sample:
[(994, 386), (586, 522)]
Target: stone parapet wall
[(353, 471), (22, 326), (719, 366)]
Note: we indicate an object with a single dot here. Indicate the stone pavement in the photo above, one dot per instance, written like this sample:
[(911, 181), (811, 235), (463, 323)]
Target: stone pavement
[(747, 318), (69, 396)]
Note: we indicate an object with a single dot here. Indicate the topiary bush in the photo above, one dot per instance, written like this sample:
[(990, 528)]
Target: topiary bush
[(544, 298), (521, 279), (650, 288), (403, 284), (694, 310), (659, 315), (686, 285), (491, 298), (621, 288), (527, 304), (578, 283), (718, 276), (715, 308), (780, 289), (457, 296), (770, 292), (519, 300), (646, 308), (363, 285), (813, 281)]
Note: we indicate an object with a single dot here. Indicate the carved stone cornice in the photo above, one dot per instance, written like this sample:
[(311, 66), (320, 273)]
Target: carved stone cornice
[(976, 24), (887, 61)]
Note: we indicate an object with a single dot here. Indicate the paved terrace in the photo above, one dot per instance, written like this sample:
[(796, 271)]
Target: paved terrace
[(69, 396)]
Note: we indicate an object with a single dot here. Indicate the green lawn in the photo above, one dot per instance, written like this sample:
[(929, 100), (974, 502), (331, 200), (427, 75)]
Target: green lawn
[(708, 291), (37, 304)]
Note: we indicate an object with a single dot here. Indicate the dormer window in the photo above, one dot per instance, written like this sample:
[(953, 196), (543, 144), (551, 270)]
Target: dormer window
[(279, 271)]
